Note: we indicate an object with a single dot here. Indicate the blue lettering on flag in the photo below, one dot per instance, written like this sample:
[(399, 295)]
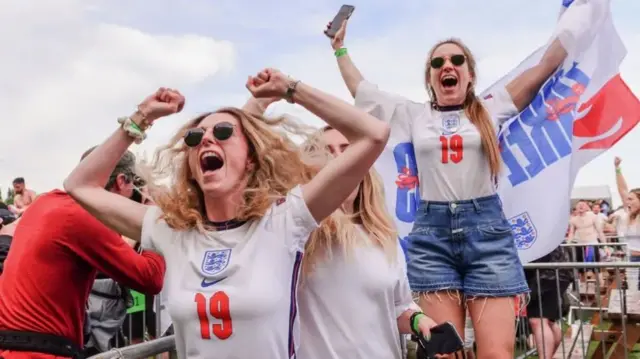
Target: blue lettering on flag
[(408, 194), (543, 131)]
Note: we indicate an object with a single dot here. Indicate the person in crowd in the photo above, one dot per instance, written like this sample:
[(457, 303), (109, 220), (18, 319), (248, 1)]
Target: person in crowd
[(628, 218), (586, 228), (234, 223), (8, 222), (56, 251), (23, 196), (545, 308), (354, 274), (458, 159), (595, 208)]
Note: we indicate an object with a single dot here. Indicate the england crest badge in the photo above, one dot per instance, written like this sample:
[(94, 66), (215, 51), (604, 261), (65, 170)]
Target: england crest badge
[(450, 123), (215, 261), (524, 232)]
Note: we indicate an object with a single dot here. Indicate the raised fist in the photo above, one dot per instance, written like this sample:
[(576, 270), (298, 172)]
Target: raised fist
[(268, 83), (163, 102)]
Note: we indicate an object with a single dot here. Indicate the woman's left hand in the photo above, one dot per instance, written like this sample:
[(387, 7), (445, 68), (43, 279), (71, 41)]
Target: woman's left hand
[(268, 83), (425, 324)]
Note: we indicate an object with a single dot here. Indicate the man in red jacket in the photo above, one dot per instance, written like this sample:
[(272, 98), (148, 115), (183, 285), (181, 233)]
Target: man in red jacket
[(56, 251)]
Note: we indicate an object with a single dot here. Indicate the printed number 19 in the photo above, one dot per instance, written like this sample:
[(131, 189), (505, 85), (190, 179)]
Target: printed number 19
[(453, 144), (219, 309)]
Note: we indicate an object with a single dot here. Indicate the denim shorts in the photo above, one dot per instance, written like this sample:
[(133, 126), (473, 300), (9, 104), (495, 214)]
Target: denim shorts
[(466, 246)]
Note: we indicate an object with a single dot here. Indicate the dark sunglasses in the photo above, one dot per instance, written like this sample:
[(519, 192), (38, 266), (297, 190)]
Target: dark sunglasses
[(221, 131), (456, 60)]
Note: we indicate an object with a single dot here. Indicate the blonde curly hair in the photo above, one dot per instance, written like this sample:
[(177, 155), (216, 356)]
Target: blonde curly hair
[(278, 166), (339, 229)]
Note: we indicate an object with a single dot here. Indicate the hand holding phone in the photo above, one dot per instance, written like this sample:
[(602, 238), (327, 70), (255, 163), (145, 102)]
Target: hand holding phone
[(444, 340), (343, 15)]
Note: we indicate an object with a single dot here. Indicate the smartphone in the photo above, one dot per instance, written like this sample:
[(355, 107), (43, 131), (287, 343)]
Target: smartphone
[(444, 340), (344, 14)]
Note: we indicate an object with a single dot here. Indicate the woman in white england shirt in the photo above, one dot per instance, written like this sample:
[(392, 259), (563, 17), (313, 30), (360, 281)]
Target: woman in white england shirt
[(233, 225), (354, 294), (628, 221), (461, 244)]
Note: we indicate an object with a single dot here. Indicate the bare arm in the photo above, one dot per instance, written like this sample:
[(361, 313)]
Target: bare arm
[(572, 231), (350, 73), (258, 105), (621, 182), (599, 223), (525, 86), (86, 182), (86, 185), (367, 137)]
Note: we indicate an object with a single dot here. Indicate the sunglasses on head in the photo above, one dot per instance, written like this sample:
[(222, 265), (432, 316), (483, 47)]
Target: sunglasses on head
[(456, 60), (221, 131)]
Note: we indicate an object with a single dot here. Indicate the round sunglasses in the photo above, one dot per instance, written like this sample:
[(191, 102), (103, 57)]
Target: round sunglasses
[(221, 131), (456, 60)]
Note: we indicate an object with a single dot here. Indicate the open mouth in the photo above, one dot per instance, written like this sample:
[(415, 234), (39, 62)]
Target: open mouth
[(449, 81), (210, 162)]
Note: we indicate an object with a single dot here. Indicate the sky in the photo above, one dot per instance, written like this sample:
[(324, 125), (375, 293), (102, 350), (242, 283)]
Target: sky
[(70, 68)]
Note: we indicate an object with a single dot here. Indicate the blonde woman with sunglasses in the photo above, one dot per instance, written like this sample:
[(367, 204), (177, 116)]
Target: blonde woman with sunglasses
[(233, 225)]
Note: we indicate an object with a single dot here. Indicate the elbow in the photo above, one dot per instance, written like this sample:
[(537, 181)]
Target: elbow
[(156, 287), (380, 136), (69, 186)]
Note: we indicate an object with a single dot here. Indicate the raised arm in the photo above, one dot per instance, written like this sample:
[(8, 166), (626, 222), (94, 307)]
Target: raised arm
[(621, 182), (525, 86), (572, 232), (258, 105), (350, 73), (367, 137), (86, 183)]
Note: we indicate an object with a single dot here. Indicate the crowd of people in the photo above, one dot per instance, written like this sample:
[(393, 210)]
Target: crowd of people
[(268, 248)]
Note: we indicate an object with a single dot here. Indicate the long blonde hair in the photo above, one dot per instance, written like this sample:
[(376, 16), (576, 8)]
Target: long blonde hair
[(277, 168), (473, 107), (339, 229)]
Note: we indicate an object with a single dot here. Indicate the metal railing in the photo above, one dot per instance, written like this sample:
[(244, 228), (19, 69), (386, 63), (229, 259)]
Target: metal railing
[(601, 318)]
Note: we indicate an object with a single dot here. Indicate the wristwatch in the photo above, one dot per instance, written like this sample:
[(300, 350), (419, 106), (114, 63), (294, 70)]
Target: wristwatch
[(293, 83)]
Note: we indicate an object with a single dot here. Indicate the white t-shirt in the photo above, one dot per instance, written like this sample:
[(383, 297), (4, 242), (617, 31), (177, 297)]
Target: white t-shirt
[(232, 294), (451, 163), (349, 305), (629, 233)]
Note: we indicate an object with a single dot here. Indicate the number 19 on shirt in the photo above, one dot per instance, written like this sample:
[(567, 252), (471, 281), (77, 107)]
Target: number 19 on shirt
[(452, 148), (217, 305)]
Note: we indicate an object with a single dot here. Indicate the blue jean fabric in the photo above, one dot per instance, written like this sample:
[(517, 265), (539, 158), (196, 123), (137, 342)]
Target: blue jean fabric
[(466, 246)]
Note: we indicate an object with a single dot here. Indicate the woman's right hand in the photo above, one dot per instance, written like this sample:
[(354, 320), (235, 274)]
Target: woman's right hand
[(337, 41), (163, 102), (616, 161)]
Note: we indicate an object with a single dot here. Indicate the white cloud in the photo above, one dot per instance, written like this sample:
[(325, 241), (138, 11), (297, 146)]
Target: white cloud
[(66, 78)]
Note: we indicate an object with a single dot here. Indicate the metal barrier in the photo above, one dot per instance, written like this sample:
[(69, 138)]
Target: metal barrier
[(600, 318)]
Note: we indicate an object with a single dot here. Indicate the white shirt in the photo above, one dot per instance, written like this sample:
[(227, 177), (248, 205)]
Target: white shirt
[(350, 303), (629, 233), (451, 163), (232, 294)]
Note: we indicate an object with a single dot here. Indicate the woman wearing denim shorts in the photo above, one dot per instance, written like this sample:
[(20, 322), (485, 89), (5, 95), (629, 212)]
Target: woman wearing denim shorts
[(461, 251)]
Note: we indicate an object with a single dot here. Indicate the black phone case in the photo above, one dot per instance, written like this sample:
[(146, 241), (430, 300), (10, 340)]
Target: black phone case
[(444, 340), (331, 32)]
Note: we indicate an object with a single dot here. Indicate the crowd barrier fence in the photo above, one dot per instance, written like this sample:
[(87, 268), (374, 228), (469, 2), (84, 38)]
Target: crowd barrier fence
[(600, 315)]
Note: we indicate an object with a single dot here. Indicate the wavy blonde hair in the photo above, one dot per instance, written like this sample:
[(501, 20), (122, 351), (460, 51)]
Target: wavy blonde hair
[(277, 161), (473, 108), (339, 229)]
